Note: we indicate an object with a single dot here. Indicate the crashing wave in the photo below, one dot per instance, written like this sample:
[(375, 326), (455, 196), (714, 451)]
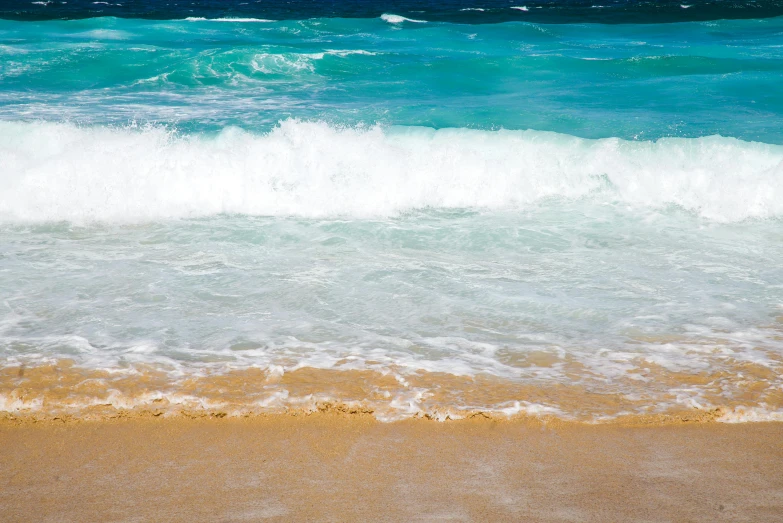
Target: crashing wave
[(57, 171)]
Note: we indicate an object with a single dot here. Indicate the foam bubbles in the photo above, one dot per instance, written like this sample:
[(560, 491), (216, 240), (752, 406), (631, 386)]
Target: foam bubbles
[(397, 19), (230, 20), (56, 172)]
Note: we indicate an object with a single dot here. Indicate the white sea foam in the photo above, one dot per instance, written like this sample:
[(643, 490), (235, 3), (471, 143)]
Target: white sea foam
[(520, 8), (9, 403), (347, 52), (235, 20), (397, 19), (106, 34), (284, 63), (63, 172), (530, 409), (269, 63), (751, 414)]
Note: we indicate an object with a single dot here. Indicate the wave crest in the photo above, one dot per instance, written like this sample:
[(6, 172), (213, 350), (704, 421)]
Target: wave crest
[(55, 172), (397, 19)]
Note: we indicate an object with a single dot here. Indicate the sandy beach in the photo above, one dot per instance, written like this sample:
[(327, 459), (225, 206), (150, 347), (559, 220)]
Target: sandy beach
[(391, 260), (337, 467)]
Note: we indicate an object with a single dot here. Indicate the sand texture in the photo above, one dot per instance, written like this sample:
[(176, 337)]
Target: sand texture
[(330, 467), (64, 389)]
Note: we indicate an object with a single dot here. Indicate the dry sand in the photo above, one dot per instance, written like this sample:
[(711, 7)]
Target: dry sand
[(332, 467)]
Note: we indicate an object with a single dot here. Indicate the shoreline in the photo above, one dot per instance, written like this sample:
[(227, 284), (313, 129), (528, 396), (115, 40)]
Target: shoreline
[(63, 389), (350, 467), (344, 411)]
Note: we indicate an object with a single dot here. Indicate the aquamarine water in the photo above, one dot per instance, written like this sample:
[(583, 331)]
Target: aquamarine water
[(399, 194), (636, 82)]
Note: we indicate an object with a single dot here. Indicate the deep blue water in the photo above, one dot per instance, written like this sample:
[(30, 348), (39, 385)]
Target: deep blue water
[(453, 11)]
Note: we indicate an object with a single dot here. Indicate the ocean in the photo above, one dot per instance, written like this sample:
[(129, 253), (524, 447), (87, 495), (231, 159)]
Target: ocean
[(412, 209)]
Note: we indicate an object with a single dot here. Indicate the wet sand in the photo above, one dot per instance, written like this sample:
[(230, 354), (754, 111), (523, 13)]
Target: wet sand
[(336, 467), (748, 392)]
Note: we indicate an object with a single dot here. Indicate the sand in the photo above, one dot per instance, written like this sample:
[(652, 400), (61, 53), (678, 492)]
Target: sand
[(63, 388), (336, 467)]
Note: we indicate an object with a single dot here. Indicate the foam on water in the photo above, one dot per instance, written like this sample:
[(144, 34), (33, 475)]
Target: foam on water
[(397, 19), (585, 308), (58, 172), (235, 20)]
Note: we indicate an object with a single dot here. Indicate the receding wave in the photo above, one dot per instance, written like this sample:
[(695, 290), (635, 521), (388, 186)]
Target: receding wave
[(57, 171), (62, 390)]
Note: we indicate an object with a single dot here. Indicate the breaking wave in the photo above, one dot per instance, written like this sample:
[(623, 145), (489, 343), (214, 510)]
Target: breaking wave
[(59, 171)]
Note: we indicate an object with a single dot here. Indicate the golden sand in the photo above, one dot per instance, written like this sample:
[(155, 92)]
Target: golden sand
[(339, 467), (64, 390), (245, 445)]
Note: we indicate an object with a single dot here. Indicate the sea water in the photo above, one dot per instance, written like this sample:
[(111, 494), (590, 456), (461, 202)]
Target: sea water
[(566, 209)]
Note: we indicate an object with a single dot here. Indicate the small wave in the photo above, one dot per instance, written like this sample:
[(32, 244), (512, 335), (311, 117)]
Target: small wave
[(397, 19), (473, 9), (284, 63), (521, 8), (235, 20), (349, 52)]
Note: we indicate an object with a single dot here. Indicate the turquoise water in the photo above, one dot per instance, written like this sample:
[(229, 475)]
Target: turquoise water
[(637, 82), (401, 195)]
